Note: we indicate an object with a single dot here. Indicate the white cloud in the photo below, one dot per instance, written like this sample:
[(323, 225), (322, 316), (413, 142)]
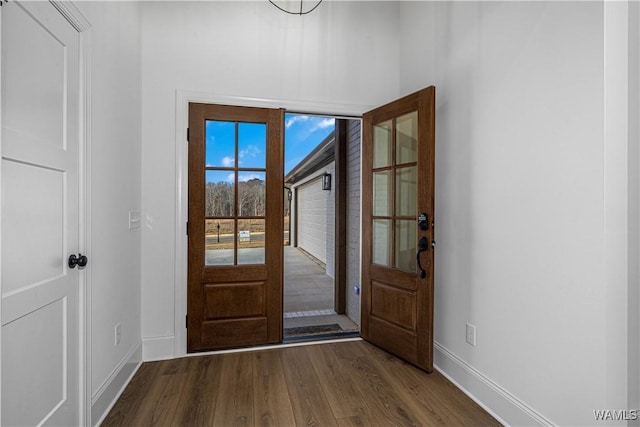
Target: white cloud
[(295, 119), (248, 177), (231, 178), (311, 124), (228, 162), (323, 124), (250, 151)]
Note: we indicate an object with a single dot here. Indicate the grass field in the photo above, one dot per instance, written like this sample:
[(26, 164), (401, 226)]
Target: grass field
[(256, 227)]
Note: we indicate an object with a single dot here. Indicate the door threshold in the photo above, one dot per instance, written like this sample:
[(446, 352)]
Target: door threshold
[(284, 344), (320, 337)]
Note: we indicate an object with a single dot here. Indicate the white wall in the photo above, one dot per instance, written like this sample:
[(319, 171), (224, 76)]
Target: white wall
[(532, 176), (343, 53), (115, 189), (531, 193)]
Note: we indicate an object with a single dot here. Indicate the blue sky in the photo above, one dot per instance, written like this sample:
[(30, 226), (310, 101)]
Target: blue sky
[(302, 134)]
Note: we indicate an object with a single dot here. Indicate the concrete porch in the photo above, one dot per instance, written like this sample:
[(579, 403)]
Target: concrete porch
[(308, 293)]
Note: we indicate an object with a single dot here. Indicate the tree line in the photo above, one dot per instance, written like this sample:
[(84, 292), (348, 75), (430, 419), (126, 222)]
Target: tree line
[(220, 197)]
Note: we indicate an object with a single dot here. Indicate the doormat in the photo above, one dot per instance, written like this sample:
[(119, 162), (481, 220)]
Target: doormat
[(312, 330)]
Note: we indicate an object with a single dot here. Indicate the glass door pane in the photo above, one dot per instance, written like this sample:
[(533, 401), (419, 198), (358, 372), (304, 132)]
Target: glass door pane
[(219, 241), (252, 143), (381, 242), (382, 193), (251, 234), (220, 144), (219, 194), (382, 145), (405, 248), (407, 138), (251, 191), (406, 191)]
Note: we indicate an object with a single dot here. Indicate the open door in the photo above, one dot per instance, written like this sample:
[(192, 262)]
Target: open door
[(235, 226), (398, 177)]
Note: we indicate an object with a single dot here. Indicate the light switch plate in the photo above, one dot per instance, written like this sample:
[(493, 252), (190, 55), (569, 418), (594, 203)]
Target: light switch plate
[(134, 219)]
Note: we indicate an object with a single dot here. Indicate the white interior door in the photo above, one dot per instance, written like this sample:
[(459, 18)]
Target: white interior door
[(40, 163)]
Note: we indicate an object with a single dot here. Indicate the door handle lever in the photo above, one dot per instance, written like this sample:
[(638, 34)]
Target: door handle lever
[(423, 245)]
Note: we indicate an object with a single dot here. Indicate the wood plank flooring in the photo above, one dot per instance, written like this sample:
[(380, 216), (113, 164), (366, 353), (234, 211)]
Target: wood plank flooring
[(329, 384)]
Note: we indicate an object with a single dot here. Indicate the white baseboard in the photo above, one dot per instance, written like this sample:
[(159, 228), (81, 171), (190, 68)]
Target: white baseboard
[(505, 407), (158, 348), (107, 395)]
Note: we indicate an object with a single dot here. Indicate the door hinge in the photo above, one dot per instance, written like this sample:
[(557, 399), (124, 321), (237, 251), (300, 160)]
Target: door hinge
[(186, 321), (187, 134), (187, 228)]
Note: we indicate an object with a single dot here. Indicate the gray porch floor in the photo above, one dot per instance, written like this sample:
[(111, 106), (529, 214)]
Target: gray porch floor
[(306, 286), (308, 293)]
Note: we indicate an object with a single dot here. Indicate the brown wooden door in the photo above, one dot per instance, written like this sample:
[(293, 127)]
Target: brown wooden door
[(235, 226), (398, 198)]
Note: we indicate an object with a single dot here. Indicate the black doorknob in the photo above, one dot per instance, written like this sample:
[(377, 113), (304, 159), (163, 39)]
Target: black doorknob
[(79, 260)]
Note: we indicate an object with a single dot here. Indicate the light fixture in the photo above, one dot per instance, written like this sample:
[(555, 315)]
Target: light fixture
[(298, 11), (326, 181)]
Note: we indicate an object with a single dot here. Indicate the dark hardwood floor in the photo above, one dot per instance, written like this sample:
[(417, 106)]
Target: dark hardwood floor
[(331, 384)]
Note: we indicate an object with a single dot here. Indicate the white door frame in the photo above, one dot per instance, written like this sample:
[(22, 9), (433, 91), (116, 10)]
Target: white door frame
[(183, 98), (78, 21), (0, 202)]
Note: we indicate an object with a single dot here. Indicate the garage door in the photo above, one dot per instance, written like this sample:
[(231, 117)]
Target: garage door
[(312, 219)]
